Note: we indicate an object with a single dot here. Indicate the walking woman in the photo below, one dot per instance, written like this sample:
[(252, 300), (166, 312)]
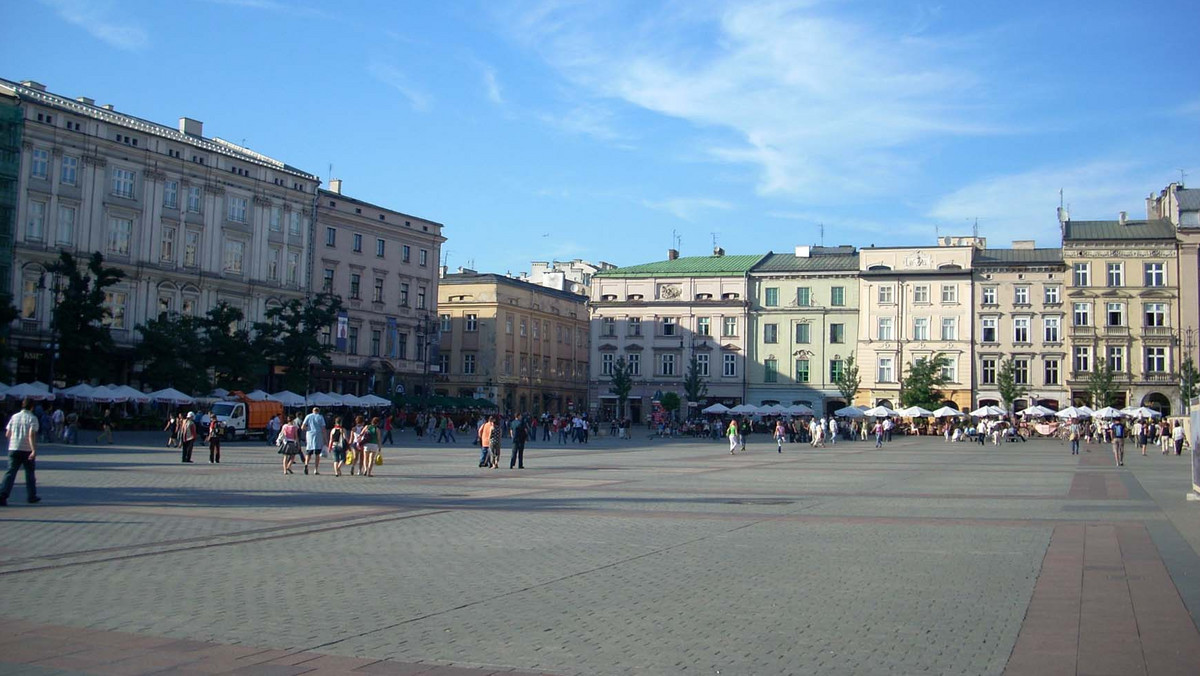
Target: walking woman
[(187, 436), (172, 422), (288, 442), (735, 437), (780, 433), (214, 438), (339, 441), (372, 439), (356, 443)]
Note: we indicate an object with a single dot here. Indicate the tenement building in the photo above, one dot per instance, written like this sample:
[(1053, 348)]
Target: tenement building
[(384, 266), (191, 220), (803, 326), (916, 302), (521, 345), (1020, 319), (665, 318), (1181, 207), (1123, 294)]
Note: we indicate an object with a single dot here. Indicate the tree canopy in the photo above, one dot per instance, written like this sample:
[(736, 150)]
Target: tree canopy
[(848, 381), (920, 385), (621, 384), (1006, 383), (694, 387), (291, 336), (84, 341)]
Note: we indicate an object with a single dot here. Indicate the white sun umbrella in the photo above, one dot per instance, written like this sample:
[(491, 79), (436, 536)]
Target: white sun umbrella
[(171, 395), (322, 399), (106, 395), (744, 409), (4, 387), (849, 412), (219, 393), (288, 398), (80, 391), (1071, 412), (715, 409), (130, 394), (772, 409), (800, 409), (1145, 412), (1108, 413), (1036, 411), (879, 412), (40, 385), (257, 395), (28, 391), (352, 400), (374, 401), (985, 411), (915, 412), (947, 412), (1086, 410)]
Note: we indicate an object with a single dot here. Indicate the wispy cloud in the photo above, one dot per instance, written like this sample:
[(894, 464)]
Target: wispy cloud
[(687, 208), (396, 79), (290, 8), (97, 18), (593, 120), (491, 85)]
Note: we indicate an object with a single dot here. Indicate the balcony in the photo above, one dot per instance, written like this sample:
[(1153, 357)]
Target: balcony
[(1083, 331), (1161, 332), (1115, 331), (1158, 378)]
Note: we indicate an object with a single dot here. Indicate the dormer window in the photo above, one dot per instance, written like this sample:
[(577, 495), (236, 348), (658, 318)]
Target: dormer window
[(730, 296), (608, 297), (634, 296), (704, 296)]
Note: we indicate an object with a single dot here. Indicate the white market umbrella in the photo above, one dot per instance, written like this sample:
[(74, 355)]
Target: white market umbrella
[(985, 411), (351, 400), (1145, 412), (219, 393), (288, 398), (772, 409), (915, 412), (848, 412), (1071, 412), (28, 391), (130, 394), (257, 395), (4, 387), (374, 401), (322, 399), (80, 391), (947, 412), (1037, 410), (799, 409), (40, 385), (1086, 410), (105, 395), (744, 409), (1108, 413), (715, 409), (879, 412), (171, 395)]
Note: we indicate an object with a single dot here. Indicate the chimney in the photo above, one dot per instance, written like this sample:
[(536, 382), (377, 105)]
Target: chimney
[(1023, 244), (672, 254), (84, 99), (335, 185), (803, 251), (108, 106), (1122, 218), (718, 251), (33, 84), (191, 127)]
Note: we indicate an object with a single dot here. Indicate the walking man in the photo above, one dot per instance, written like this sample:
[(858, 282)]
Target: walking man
[(520, 433), (314, 425), (22, 433), (187, 436), (447, 433), (1118, 442)]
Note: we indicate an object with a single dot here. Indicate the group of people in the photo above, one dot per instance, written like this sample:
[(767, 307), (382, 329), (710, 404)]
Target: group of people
[(1144, 433), (183, 431), (357, 449), (492, 429)]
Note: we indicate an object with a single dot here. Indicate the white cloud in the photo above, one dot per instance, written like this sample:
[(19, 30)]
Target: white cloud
[(396, 79), (290, 8), (588, 120), (492, 86), (96, 18), (687, 208)]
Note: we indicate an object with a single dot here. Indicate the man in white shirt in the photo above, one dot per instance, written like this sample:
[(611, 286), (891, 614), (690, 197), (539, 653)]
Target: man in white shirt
[(314, 425), (22, 433)]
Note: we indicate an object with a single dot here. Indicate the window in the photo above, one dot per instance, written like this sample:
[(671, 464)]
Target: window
[(376, 339), (668, 326), (294, 223), (1115, 314), (1156, 360), (445, 323), (772, 297), (802, 333), (704, 326), (804, 296), (837, 296), (35, 227), (836, 368), (443, 363), (380, 245), (1156, 314), (1052, 295), (166, 247), (273, 263), (114, 302), (194, 199), (921, 328), (1050, 371), (237, 209), (377, 293), (1021, 295), (471, 323), (1020, 371), (327, 281), (420, 297), (884, 370), (802, 370), (730, 369), (1116, 274), (191, 248), (770, 333), (326, 335), (355, 283), (171, 194), (666, 365), (885, 328), (402, 345), (1156, 274), (119, 232), (40, 166), (837, 333), (29, 297), (422, 257), (508, 324), (1116, 359), (293, 267), (70, 170), (634, 362), (921, 293), (406, 253), (122, 183), (1083, 274), (949, 293), (330, 236), (730, 326), (535, 326), (608, 326), (275, 220), (357, 243), (352, 340), (886, 294), (1021, 330), (606, 364), (634, 328), (950, 370), (949, 328), (987, 371), (235, 252), (1083, 358), (1051, 330), (66, 225), (1083, 314), (989, 295), (988, 333), (770, 370)]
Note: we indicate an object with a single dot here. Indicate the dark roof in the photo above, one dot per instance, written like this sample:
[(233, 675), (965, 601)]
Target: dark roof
[(1018, 257), (1114, 230), (484, 277), (823, 262), (688, 266), (1189, 199)]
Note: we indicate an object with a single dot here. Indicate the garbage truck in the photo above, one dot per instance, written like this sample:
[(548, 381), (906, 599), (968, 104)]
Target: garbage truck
[(240, 417)]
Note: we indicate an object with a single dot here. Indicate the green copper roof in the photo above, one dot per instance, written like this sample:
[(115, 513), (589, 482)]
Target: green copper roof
[(1115, 230), (688, 266)]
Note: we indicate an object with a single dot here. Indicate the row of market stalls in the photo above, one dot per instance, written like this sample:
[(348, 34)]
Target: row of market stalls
[(120, 394), (1106, 413)]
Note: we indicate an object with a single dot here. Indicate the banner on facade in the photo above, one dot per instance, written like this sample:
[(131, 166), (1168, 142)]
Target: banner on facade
[(343, 330), (393, 339)]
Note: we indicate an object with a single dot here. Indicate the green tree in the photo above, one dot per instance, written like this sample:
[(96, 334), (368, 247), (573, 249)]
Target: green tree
[(921, 383), (694, 387), (848, 381), (1006, 383), (1100, 385), (8, 314), (670, 403), (172, 353), (84, 342), (291, 336), (1188, 379), (621, 384), (235, 360)]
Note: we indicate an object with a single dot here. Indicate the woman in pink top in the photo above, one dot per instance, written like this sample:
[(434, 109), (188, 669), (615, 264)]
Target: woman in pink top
[(288, 442)]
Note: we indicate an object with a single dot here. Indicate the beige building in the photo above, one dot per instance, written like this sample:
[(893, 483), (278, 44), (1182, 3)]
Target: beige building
[(573, 275), (1181, 206), (1021, 317), (191, 220), (915, 302), (1123, 296), (804, 324), (523, 346), (384, 266)]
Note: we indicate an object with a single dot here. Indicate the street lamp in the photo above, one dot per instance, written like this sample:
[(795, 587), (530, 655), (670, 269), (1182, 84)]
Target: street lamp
[(56, 289)]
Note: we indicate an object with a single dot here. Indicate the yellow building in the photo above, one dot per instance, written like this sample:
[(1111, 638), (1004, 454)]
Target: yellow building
[(520, 345)]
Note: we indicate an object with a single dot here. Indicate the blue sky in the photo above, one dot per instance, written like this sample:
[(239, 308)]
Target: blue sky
[(561, 129)]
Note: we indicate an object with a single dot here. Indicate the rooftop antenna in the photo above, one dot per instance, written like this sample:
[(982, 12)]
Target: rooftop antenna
[(714, 238), (937, 232), (329, 177), (1060, 198), (975, 229), (1182, 177), (822, 234)]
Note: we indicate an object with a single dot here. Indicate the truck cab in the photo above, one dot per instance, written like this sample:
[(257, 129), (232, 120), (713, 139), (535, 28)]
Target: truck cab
[(232, 414)]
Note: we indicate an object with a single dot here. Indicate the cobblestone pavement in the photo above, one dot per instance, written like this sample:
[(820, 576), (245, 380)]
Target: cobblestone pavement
[(643, 557)]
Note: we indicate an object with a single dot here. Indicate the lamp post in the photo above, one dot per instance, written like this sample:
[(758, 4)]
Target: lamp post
[(1186, 338), (55, 290)]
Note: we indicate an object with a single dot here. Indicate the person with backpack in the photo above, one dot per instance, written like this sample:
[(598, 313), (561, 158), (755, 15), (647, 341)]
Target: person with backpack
[(1118, 441), (214, 438), (520, 434), (371, 440), (339, 443), (288, 442)]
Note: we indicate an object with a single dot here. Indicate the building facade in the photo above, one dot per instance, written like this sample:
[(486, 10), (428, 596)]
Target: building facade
[(1123, 291), (521, 345), (804, 324), (657, 317), (1020, 317), (384, 266), (915, 302), (192, 221), (1181, 207), (574, 275)]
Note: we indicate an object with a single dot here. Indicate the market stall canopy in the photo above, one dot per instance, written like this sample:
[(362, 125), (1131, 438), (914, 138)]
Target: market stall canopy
[(716, 409), (947, 412), (128, 393), (257, 395), (1086, 410), (744, 409), (915, 412), (772, 409), (219, 393), (847, 412), (351, 400), (1072, 412), (985, 411), (800, 409), (171, 395), (1108, 413), (322, 399), (288, 398), (1144, 412), (1036, 411), (80, 391), (879, 412), (28, 391), (374, 401)]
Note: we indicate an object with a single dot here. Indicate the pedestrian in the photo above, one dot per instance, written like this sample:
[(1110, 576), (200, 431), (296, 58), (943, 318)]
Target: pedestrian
[(878, 434), (22, 430), (314, 440), (387, 430), (520, 434), (1177, 438), (357, 432), (288, 443), (780, 433), (72, 428), (106, 427), (485, 436), (1073, 436), (172, 424), (372, 439), (214, 438), (1139, 435), (339, 443), (273, 427), (496, 432), (833, 430), (447, 430), (735, 437), (59, 422), (1118, 442), (187, 436)]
